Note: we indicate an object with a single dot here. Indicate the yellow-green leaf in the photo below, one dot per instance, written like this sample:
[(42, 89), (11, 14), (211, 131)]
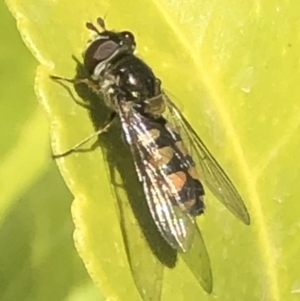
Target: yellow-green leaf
[(38, 260), (234, 67)]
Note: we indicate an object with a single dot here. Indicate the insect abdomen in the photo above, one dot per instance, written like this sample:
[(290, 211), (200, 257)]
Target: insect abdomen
[(169, 156)]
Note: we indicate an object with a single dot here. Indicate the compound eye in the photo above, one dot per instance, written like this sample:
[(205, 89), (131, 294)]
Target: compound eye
[(97, 52), (105, 50), (128, 39)]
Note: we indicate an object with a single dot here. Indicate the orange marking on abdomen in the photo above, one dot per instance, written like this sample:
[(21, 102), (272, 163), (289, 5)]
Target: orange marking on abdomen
[(178, 179), (161, 156), (181, 148), (155, 133), (193, 173)]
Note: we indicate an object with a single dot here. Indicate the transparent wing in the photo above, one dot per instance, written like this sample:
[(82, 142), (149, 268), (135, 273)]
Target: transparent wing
[(212, 174), (175, 225)]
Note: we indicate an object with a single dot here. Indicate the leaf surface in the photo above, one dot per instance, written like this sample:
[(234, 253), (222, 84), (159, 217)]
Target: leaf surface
[(38, 260), (234, 67)]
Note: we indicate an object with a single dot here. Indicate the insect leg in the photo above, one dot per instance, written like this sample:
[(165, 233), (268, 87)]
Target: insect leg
[(101, 130), (75, 81)]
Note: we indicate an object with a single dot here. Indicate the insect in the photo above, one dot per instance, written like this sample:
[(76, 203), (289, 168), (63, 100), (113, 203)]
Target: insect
[(157, 135)]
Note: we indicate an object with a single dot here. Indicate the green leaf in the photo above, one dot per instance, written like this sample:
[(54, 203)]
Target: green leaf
[(38, 260), (234, 66)]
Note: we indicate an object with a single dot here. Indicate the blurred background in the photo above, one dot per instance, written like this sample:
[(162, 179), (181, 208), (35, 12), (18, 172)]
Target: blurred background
[(38, 260)]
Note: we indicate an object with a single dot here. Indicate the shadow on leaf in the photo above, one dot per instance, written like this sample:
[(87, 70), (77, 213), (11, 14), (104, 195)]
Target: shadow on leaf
[(136, 222)]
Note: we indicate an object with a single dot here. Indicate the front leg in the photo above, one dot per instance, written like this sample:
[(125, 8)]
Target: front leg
[(75, 81), (101, 130)]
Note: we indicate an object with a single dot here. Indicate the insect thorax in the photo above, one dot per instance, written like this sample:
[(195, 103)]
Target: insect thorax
[(127, 78)]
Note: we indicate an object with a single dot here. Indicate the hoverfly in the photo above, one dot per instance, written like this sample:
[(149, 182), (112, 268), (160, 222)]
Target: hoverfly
[(157, 135)]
